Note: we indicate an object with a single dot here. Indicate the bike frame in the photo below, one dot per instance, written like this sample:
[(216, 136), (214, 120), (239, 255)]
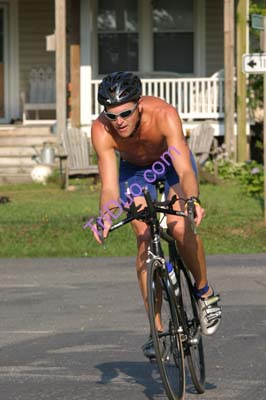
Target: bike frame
[(183, 328), (156, 252), (149, 216)]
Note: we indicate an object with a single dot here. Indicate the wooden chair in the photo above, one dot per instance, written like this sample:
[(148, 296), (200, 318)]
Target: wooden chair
[(204, 145), (76, 147), (40, 95)]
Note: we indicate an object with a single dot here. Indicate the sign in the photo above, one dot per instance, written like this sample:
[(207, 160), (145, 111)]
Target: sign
[(257, 21), (254, 63)]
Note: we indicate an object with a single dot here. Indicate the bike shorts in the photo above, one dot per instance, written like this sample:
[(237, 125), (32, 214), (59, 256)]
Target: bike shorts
[(135, 177)]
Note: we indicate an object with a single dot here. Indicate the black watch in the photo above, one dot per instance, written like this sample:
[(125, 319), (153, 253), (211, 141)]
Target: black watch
[(193, 199)]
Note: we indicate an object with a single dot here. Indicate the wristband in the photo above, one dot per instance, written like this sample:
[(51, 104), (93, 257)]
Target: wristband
[(194, 199)]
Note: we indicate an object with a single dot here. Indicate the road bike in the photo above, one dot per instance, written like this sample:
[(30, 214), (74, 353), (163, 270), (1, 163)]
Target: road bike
[(171, 297)]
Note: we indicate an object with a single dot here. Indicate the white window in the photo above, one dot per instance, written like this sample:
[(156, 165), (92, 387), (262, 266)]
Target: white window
[(117, 25), (173, 35), (149, 35)]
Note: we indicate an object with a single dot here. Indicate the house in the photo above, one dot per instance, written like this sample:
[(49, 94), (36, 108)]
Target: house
[(175, 46)]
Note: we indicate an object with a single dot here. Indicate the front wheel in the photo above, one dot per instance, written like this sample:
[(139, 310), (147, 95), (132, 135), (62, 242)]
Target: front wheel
[(167, 343), (194, 344)]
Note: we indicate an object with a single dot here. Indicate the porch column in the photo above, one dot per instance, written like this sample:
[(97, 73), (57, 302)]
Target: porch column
[(75, 63), (60, 39), (85, 64), (229, 91)]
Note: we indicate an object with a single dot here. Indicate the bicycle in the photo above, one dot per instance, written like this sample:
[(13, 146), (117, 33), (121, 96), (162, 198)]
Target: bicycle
[(171, 295)]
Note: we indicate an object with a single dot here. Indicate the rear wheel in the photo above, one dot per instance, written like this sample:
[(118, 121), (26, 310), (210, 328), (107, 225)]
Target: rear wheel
[(194, 345), (167, 344)]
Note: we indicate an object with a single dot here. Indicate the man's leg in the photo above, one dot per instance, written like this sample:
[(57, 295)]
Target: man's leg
[(143, 239), (189, 244), (192, 252)]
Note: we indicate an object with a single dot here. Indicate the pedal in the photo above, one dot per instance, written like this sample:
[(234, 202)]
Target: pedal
[(183, 337)]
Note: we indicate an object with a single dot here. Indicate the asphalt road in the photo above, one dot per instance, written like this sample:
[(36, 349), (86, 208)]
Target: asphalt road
[(72, 329)]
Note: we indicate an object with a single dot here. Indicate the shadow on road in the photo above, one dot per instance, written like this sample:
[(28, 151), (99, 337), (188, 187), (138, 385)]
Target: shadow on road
[(141, 373), (81, 357)]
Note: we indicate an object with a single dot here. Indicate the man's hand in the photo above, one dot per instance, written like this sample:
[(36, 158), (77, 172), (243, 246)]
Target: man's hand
[(194, 211), (101, 230), (200, 214)]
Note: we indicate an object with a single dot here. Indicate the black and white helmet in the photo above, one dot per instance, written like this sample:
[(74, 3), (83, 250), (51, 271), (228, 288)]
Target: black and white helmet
[(118, 88)]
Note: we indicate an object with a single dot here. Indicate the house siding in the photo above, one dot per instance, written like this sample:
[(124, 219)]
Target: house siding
[(214, 36), (36, 20)]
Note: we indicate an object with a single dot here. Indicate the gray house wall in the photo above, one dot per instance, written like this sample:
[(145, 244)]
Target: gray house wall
[(214, 36), (36, 19)]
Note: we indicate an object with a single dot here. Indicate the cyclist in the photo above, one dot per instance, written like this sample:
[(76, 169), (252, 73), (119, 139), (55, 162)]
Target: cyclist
[(140, 128)]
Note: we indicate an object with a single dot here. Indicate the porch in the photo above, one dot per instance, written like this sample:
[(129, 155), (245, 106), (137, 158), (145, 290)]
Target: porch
[(149, 38), (195, 99)]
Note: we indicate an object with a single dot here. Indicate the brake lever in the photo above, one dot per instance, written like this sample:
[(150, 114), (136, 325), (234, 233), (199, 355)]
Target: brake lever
[(191, 215), (100, 231)]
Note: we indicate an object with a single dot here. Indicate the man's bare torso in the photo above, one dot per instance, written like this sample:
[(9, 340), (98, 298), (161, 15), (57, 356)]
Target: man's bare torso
[(148, 142)]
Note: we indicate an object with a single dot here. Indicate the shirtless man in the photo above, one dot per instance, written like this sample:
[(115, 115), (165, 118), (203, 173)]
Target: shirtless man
[(141, 129)]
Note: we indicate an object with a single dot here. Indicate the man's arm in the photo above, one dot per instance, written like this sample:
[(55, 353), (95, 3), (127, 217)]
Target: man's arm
[(171, 126), (107, 164)]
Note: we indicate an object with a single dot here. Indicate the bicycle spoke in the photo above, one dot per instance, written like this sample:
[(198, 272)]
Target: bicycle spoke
[(167, 344), (194, 344)]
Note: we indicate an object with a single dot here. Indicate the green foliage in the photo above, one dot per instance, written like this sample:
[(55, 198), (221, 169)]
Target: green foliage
[(252, 178), (255, 91), (227, 170), (257, 7), (249, 174)]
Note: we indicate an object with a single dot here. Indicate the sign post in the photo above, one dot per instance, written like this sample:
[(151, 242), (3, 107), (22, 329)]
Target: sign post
[(256, 64), (257, 21)]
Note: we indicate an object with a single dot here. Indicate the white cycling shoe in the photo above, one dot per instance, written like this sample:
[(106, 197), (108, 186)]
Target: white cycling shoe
[(210, 314)]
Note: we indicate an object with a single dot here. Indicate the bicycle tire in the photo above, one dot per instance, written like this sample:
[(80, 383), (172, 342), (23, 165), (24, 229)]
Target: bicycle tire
[(194, 351), (167, 344)]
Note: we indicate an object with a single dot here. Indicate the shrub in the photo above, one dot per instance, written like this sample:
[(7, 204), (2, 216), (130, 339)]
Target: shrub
[(252, 178), (249, 174)]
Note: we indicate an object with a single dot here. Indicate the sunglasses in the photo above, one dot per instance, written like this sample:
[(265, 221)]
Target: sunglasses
[(123, 114)]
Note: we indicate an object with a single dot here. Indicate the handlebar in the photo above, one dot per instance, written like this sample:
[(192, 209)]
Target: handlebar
[(149, 212)]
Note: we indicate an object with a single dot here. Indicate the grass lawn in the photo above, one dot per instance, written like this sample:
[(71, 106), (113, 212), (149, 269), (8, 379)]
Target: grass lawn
[(44, 221)]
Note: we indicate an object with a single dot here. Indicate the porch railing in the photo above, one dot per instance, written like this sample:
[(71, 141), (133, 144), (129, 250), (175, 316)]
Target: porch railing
[(194, 98)]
